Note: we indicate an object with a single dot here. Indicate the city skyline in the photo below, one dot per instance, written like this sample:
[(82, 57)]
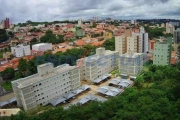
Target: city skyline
[(44, 10)]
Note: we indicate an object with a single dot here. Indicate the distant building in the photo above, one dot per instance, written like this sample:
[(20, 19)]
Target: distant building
[(48, 84), (133, 21), (95, 66), (42, 47), (92, 22), (130, 63), (162, 25), (2, 24), (80, 22), (21, 50), (162, 52), (169, 28)]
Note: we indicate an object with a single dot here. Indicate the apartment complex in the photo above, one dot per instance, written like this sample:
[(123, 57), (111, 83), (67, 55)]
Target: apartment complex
[(21, 50), (130, 63), (162, 52), (95, 66), (133, 41), (48, 84)]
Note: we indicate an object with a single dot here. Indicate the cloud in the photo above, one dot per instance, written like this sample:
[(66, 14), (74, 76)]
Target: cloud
[(50, 10)]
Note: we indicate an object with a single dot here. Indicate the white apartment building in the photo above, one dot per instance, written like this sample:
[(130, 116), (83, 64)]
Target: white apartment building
[(133, 21), (42, 47), (21, 50), (95, 66), (80, 22), (131, 63), (48, 84), (120, 44)]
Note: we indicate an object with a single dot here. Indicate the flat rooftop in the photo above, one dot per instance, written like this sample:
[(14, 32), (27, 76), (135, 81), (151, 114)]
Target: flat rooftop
[(96, 57), (41, 44), (131, 56), (24, 82)]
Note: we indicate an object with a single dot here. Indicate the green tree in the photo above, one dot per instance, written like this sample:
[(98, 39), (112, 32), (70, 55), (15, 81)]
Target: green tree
[(109, 44), (22, 66), (8, 73), (3, 35), (18, 75)]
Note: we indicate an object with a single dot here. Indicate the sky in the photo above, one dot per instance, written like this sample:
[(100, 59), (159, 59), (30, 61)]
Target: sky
[(51, 10)]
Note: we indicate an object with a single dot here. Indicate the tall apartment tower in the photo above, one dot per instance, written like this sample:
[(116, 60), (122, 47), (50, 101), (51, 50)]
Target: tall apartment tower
[(142, 40), (7, 25), (162, 52), (80, 22), (176, 37), (169, 28), (120, 44), (47, 85)]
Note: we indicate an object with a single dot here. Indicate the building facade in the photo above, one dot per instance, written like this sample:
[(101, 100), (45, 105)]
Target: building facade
[(95, 66), (21, 50), (80, 22), (48, 84), (177, 36), (131, 63), (120, 44), (162, 54), (169, 28)]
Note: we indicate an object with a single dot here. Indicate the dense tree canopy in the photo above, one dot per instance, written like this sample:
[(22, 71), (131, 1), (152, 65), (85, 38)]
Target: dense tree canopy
[(52, 38), (109, 44), (8, 73), (3, 35), (154, 32)]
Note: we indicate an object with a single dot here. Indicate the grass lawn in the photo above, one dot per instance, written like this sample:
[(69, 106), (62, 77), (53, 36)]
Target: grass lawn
[(7, 86)]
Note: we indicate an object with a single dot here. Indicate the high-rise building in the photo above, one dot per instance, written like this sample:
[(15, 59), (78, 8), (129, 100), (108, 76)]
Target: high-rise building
[(169, 28), (130, 63), (142, 40), (120, 44), (162, 52), (133, 21), (48, 84), (95, 66), (7, 25), (176, 37), (132, 41), (80, 22)]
